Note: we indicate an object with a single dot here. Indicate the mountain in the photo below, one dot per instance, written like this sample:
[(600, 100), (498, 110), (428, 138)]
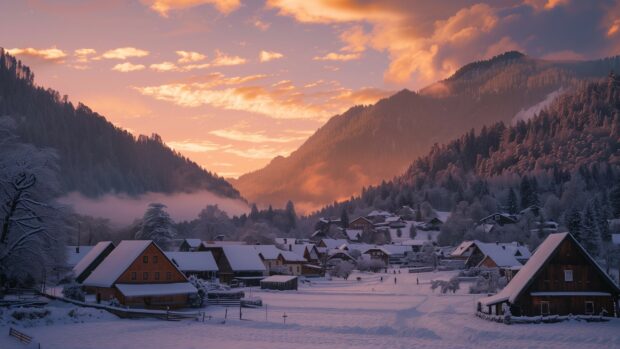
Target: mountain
[(368, 144), (566, 160), (95, 157)]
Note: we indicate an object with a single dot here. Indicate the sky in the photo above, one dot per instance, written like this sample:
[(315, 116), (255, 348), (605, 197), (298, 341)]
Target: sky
[(233, 83)]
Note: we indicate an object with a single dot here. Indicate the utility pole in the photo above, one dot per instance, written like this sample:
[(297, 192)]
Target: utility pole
[(284, 318)]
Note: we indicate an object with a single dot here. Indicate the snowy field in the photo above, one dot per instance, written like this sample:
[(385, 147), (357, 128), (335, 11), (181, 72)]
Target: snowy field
[(329, 314)]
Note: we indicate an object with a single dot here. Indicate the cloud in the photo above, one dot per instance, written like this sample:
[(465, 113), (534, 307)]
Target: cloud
[(263, 26), (355, 39), (164, 67), (190, 56), (222, 59), (128, 67), (266, 56), (259, 153), (82, 55), (566, 55), (49, 54), (342, 57), (546, 4), (124, 53), (163, 7), (614, 28), (195, 146), (254, 137)]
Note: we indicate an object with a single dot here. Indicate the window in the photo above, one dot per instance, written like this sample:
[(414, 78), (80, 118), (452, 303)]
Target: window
[(568, 275), (145, 275), (168, 275), (589, 307), (544, 308), (156, 275), (298, 269), (154, 259), (145, 259), (134, 275)]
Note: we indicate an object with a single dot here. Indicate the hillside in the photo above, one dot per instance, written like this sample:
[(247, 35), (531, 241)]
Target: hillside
[(368, 144), (95, 156)]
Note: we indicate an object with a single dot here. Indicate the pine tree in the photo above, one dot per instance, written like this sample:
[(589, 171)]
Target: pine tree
[(512, 204), (290, 213), (254, 214), (573, 223), (525, 191), (344, 218), (589, 227), (614, 201), (157, 226), (601, 220)]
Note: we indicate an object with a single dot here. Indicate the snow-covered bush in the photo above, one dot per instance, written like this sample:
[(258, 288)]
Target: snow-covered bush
[(488, 281), (74, 291), (30, 314), (373, 265), (451, 285), (198, 300), (342, 269)]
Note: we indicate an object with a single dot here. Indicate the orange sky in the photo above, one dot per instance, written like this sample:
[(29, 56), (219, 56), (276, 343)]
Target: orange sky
[(232, 83)]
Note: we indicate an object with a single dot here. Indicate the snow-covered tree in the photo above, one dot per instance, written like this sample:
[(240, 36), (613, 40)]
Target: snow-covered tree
[(157, 226), (32, 233), (590, 237)]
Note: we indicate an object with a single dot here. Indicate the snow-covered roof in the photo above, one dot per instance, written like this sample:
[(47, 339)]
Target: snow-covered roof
[(267, 251), (193, 261), (292, 256), (533, 265), (462, 248), (397, 249), (222, 243), (74, 257), (279, 278), (90, 257), (360, 247), (378, 213), (334, 243), (502, 254), (442, 215), (353, 234), (193, 243), (141, 290), (243, 258), (116, 263), (392, 219)]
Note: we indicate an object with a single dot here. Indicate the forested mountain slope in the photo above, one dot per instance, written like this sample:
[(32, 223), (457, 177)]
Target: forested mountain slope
[(95, 156)]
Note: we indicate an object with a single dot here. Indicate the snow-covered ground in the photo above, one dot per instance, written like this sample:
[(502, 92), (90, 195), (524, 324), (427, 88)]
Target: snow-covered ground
[(329, 314)]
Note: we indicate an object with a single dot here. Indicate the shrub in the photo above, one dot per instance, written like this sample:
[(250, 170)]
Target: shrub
[(74, 291)]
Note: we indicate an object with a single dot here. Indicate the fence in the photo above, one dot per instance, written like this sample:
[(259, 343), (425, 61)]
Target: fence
[(22, 337)]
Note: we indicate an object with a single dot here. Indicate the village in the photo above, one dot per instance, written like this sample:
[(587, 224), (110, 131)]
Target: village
[(216, 282)]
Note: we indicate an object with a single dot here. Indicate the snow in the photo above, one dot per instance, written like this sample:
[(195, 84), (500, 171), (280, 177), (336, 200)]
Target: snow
[(292, 257), (73, 257), (334, 243), (270, 252), (499, 253), (462, 248), (243, 258), (615, 239), (193, 243), (139, 290), (116, 263), (193, 261), (90, 257), (443, 215), (279, 278), (353, 234), (366, 314)]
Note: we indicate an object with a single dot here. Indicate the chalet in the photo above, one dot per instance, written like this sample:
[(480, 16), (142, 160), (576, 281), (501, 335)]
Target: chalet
[(560, 278), (432, 224), (378, 253), (533, 210), (331, 244), (190, 245), (378, 216), (498, 218), (308, 251), (237, 262), (91, 260), (397, 253), (464, 250), (503, 255), (270, 255), (279, 282), (74, 255), (406, 213), (339, 255), (361, 223), (200, 264), (139, 274), (292, 262)]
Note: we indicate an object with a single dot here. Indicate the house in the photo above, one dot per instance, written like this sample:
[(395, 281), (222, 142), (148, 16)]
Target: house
[(378, 253), (534, 210), (308, 251), (560, 278), (74, 256), (91, 260), (464, 250), (498, 218), (292, 262), (339, 255), (200, 264), (331, 244), (432, 224), (503, 255), (237, 262), (378, 216), (397, 253), (270, 255), (279, 282), (190, 245), (139, 274), (406, 213), (361, 223)]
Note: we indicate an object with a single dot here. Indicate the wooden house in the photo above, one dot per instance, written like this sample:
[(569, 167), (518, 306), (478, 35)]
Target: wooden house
[(91, 260), (292, 262), (139, 274), (279, 282), (500, 255), (200, 263), (237, 262), (270, 256), (498, 218), (361, 223), (560, 278), (378, 253)]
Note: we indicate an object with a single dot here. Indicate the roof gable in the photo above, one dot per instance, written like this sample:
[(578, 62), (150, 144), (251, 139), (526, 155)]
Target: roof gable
[(193, 261), (90, 257), (242, 258), (116, 263)]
